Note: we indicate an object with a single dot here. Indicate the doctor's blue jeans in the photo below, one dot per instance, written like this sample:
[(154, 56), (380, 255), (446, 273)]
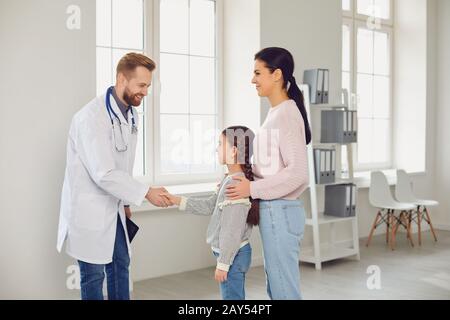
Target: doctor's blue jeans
[(282, 224), (117, 274)]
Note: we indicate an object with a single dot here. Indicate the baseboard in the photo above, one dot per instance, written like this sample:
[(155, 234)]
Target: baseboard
[(415, 228), (443, 227), (425, 228), (341, 243)]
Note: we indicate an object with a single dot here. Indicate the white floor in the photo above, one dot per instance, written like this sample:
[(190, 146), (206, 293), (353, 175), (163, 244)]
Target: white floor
[(406, 273)]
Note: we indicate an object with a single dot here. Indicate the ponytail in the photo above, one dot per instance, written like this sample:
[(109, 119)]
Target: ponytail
[(253, 213), (296, 94)]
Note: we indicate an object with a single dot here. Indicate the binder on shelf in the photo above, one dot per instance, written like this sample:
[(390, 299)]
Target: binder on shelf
[(338, 126), (353, 202), (315, 79), (340, 200), (333, 164), (354, 126), (348, 200), (349, 131), (319, 165), (326, 85), (346, 126), (324, 167), (320, 77)]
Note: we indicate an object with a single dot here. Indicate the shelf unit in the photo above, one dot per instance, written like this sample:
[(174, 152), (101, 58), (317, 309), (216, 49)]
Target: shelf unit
[(323, 252)]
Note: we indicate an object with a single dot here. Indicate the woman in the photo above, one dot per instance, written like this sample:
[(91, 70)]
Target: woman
[(280, 171)]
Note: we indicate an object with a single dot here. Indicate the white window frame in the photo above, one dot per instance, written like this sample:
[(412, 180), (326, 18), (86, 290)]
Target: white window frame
[(349, 13), (152, 154), (363, 17), (354, 21), (350, 24)]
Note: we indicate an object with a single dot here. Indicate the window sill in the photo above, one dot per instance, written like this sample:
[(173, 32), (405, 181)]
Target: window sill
[(187, 190), (362, 178)]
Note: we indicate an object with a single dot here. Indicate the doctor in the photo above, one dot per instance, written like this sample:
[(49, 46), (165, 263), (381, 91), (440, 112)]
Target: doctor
[(99, 187)]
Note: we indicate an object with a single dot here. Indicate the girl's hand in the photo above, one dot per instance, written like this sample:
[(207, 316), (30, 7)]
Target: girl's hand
[(240, 190), (128, 212), (174, 200), (220, 275)]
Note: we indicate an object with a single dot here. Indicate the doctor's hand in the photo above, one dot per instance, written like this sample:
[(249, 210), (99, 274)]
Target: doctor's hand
[(153, 195), (240, 190), (174, 200)]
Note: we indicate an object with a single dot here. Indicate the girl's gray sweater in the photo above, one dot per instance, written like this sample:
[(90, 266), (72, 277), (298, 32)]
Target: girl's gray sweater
[(228, 229)]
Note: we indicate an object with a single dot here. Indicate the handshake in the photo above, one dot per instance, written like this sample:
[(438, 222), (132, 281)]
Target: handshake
[(160, 197)]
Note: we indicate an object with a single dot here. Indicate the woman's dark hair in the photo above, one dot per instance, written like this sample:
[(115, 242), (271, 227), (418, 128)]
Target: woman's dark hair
[(280, 58), (242, 138)]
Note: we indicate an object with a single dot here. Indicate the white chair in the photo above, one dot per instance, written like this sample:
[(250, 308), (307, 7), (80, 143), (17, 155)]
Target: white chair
[(380, 197), (404, 193)]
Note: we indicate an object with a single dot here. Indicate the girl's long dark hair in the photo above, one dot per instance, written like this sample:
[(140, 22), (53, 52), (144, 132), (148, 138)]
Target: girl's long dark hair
[(242, 138), (280, 58)]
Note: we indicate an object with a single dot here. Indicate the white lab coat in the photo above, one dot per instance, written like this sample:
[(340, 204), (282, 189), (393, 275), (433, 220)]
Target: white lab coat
[(98, 182)]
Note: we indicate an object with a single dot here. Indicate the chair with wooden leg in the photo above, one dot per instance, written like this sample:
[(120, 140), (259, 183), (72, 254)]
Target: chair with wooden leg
[(404, 193), (380, 197)]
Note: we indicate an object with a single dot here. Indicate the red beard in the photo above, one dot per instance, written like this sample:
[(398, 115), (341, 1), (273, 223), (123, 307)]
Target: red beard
[(132, 100)]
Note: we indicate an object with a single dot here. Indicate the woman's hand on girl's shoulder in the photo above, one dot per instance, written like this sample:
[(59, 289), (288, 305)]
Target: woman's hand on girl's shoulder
[(239, 190)]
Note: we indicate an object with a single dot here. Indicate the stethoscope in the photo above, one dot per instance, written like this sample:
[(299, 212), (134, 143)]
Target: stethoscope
[(120, 141)]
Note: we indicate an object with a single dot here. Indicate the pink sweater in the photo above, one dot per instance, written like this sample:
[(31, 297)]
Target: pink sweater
[(280, 158)]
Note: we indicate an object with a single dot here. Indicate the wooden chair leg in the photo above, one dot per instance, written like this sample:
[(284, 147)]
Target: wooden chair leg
[(407, 224), (374, 226), (398, 224), (393, 225), (419, 225), (388, 224), (408, 227), (431, 225)]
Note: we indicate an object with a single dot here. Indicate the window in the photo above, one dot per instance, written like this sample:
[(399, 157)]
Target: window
[(366, 74), (178, 133), (187, 104)]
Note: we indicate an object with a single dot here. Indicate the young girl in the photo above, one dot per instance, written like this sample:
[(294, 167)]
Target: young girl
[(231, 221)]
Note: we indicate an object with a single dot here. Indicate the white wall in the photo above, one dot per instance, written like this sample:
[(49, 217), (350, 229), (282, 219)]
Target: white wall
[(48, 72), (443, 112)]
